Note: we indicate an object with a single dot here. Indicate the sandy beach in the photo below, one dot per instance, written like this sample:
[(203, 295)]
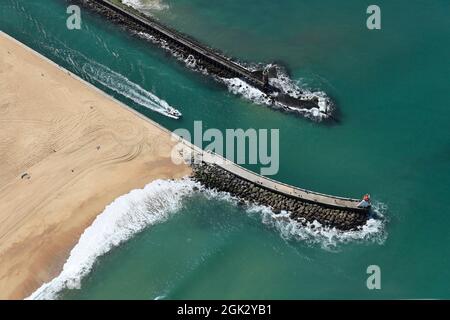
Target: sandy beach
[(66, 151)]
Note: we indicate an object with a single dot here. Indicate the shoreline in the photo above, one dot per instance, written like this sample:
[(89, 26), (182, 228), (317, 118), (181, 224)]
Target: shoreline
[(121, 220), (131, 143), (67, 151)]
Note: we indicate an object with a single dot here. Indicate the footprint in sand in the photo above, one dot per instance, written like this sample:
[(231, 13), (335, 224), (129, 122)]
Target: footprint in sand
[(4, 108)]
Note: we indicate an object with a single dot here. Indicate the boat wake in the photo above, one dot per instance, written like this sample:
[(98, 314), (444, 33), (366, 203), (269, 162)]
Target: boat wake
[(129, 89), (155, 203), (98, 73), (91, 70)]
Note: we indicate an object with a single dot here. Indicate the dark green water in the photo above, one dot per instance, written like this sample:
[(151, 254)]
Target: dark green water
[(392, 90)]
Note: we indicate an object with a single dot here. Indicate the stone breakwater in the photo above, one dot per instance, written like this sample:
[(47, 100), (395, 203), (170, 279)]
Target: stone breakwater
[(178, 50), (210, 61), (215, 177)]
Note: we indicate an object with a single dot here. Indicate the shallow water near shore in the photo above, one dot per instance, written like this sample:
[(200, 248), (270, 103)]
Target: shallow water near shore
[(392, 140)]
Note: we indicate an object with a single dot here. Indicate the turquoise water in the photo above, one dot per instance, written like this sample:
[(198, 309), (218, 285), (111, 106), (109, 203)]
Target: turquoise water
[(391, 88)]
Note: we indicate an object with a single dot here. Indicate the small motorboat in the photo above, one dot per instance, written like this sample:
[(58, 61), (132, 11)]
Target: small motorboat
[(173, 113)]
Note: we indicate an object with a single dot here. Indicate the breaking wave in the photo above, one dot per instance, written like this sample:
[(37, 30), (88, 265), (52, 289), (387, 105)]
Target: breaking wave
[(314, 233), (286, 86), (190, 60), (147, 6), (328, 238), (156, 202), (123, 218), (241, 88)]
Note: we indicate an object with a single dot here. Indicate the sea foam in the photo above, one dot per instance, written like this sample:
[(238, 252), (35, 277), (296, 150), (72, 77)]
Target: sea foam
[(286, 86), (314, 233), (147, 6), (156, 202), (327, 238), (241, 88), (123, 218)]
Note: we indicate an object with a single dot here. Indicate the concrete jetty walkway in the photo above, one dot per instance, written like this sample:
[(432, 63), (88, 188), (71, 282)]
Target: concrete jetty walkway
[(195, 47), (184, 48), (347, 204)]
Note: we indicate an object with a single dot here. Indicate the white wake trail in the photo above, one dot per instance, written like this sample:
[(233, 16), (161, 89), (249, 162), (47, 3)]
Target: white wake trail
[(122, 85)]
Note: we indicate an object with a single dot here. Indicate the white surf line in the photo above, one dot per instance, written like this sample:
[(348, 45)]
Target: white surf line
[(286, 86), (243, 89), (313, 233), (122, 219), (155, 203)]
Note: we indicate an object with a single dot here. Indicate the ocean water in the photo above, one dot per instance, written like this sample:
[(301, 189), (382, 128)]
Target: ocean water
[(391, 87)]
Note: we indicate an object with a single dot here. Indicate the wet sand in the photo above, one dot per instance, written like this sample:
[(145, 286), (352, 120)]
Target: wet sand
[(66, 151)]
